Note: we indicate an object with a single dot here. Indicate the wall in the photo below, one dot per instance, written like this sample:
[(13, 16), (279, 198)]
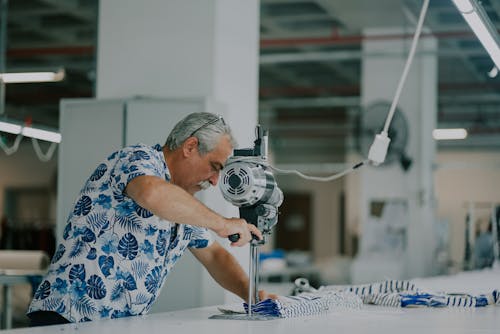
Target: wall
[(325, 212), (418, 104), (461, 177), (23, 170)]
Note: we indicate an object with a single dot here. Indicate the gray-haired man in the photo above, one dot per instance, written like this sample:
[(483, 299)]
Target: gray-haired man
[(134, 218)]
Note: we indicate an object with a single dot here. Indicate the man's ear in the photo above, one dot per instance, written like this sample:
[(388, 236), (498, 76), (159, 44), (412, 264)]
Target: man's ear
[(190, 146)]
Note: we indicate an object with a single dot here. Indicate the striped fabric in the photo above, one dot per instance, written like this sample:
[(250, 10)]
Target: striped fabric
[(307, 304), (403, 293), (391, 293)]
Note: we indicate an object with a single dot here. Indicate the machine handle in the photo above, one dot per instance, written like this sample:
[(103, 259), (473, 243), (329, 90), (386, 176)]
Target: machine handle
[(235, 237)]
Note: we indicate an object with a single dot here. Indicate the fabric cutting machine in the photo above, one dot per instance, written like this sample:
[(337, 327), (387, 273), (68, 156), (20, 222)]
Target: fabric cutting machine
[(248, 183)]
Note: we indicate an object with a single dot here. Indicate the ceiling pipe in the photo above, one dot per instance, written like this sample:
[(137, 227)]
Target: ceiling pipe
[(264, 43), (357, 39), (84, 50), (270, 92)]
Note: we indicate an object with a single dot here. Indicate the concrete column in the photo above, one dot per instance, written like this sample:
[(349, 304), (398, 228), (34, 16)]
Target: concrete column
[(380, 76), (185, 48)]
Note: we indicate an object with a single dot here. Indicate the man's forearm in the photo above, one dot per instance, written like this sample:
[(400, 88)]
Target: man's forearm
[(172, 203), (224, 268)]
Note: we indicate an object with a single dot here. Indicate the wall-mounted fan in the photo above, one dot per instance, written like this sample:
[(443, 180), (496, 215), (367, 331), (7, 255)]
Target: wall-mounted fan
[(371, 122)]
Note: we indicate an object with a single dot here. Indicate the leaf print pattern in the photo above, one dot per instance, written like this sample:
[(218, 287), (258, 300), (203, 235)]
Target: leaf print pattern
[(161, 242), (77, 272), (83, 206), (128, 246), (150, 230), (88, 235), (141, 212), (140, 269), (118, 292), (153, 280), (130, 283), (43, 291), (60, 285), (92, 254), (95, 287), (106, 263), (52, 304), (99, 172), (104, 201), (67, 230), (97, 220), (130, 223), (59, 253), (139, 155), (77, 248), (85, 306), (142, 299), (114, 257)]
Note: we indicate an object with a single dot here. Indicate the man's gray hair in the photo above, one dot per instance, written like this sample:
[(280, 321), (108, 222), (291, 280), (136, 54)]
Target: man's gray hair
[(207, 127)]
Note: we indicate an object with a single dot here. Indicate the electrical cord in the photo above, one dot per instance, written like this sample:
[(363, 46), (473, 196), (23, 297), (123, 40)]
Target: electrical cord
[(319, 178), (409, 61), (44, 157), (265, 163), (379, 147), (15, 146)]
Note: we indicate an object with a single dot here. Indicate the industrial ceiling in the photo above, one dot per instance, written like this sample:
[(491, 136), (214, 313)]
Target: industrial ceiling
[(310, 68)]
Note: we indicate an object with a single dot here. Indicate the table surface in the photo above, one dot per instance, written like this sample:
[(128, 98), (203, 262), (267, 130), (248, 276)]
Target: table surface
[(368, 319), (372, 319)]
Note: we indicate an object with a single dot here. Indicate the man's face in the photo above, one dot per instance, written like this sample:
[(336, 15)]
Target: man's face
[(204, 170)]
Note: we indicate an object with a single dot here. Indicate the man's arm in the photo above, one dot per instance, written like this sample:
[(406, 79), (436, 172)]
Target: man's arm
[(173, 203), (224, 268)]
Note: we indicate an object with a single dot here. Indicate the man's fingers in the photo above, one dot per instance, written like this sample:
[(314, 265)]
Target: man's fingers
[(245, 231), (264, 295), (254, 230)]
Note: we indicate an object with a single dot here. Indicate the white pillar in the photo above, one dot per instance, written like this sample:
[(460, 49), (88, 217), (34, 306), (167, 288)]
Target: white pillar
[(418, 102), (185, 48)]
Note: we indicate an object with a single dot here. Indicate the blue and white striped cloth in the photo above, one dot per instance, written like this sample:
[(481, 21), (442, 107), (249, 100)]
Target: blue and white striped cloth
[(392, 293), (307, 304), (398, 293)]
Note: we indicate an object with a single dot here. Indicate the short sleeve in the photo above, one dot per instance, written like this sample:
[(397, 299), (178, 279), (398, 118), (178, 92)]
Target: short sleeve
[(200, 238), (133, 162)]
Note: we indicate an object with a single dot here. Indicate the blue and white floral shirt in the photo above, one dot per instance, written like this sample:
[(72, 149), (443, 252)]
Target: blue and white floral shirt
[(115, 255)]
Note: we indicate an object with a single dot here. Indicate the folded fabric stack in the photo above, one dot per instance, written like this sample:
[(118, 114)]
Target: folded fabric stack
[(392, 293), (307, 304)]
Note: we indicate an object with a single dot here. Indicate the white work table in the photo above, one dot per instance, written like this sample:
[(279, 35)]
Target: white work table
[(369, 319)]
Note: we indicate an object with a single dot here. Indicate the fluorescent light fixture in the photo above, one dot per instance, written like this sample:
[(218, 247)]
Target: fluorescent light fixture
[(52, 136), (449, 134), (464, 6), (479, 22), (25, 77), (493, 73), (10, 128), (28, 131)]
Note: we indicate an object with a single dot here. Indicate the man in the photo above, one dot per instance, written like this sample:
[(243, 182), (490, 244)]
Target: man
[(133, 219)]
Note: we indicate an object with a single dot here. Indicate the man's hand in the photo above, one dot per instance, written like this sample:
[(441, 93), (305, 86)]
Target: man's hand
[(241, 227), (263, 295)]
